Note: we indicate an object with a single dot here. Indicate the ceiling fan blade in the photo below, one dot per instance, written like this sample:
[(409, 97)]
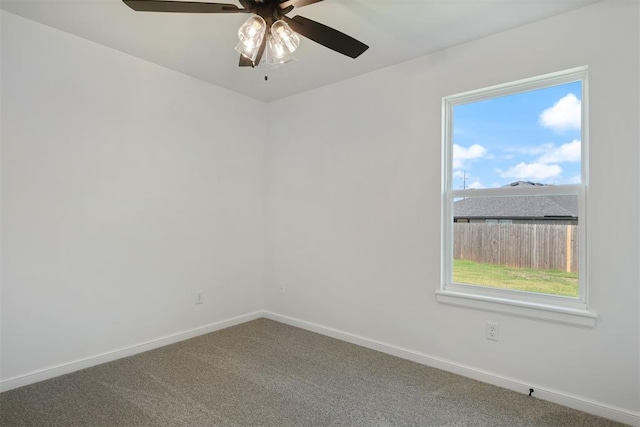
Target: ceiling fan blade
[(181, 6), (326, 36), (245, 62), (297, 3)]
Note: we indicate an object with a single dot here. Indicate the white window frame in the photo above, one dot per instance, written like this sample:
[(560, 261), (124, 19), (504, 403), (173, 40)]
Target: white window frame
[(574, 311)]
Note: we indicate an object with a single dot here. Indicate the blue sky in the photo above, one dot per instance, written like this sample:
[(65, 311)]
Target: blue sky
[(530, 136)]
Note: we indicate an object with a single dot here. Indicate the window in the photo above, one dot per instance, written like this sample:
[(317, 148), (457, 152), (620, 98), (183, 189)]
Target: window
[(514, 190)]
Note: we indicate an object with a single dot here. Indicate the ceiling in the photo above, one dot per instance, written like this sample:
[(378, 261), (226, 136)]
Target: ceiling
[(202, 45)]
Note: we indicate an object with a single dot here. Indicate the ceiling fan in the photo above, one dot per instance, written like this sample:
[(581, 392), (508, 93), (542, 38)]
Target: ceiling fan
[(267, 29)]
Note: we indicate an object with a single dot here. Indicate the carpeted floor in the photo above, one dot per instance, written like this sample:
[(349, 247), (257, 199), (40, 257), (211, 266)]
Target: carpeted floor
[(264, 373)]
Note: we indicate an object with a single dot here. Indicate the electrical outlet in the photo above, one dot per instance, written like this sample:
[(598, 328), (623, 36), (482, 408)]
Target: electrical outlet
[(282, 289), (199, 297), (492, 331)]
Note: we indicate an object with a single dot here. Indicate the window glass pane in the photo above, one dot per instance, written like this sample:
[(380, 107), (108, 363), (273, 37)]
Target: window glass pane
[(526, 243), (532, 136)]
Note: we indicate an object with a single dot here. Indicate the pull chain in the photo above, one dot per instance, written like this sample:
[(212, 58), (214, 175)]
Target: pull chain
[(266, 59)]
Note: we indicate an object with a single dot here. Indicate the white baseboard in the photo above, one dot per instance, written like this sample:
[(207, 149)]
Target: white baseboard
[(76, 365), (561, 398)]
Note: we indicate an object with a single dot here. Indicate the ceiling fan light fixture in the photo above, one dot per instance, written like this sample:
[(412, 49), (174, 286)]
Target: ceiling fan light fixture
[(251, 34), (256, 38)]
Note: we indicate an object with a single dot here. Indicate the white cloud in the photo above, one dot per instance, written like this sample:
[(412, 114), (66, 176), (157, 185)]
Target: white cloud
[(462, 154), (532, 171), (569, 152), (546, 167), (564, 115), (475, 184)]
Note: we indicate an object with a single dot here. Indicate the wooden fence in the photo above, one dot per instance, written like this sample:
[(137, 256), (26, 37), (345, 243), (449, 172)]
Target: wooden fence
[(539, 246)]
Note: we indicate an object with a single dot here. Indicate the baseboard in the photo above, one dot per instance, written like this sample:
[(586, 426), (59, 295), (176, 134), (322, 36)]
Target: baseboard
[(76, 365), (561, 398)]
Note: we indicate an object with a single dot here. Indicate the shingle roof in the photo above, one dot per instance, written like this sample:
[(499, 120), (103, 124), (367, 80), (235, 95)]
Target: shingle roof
[(517, 206)]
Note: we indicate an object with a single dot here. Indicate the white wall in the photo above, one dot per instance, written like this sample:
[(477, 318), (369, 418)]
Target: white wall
[(353, 217), (126, 187)]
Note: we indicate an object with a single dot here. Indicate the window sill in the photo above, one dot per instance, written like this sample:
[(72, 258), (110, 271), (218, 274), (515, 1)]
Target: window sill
[(551, 313)]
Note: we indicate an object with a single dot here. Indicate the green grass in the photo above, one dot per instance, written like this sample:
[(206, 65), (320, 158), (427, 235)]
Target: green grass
[(554, 282)]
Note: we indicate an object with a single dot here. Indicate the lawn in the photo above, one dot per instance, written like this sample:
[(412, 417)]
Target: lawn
[(554, 282)]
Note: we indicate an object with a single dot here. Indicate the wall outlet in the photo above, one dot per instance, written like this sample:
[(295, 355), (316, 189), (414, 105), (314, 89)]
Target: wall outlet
[(282, 289), (199, 297), (492, 331)]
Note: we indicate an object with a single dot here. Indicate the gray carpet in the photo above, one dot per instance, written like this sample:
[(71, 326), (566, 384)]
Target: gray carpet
[(264, 373)]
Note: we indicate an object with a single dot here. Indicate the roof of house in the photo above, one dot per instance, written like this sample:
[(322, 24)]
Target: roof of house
[(517, 206)]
